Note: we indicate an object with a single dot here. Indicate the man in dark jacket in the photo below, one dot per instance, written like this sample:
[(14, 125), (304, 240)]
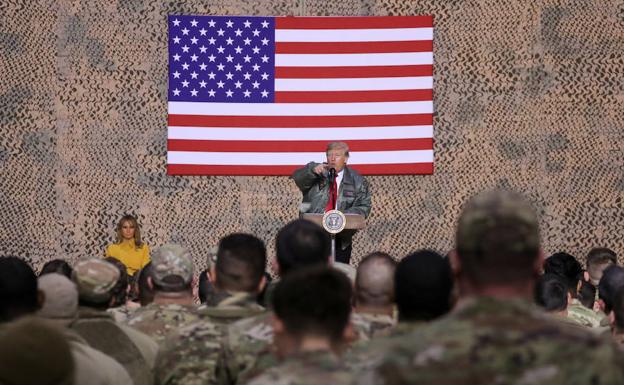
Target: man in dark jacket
[(353, 194)]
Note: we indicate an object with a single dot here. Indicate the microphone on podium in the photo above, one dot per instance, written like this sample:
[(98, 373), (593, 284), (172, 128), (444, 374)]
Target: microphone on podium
[(332, 173)]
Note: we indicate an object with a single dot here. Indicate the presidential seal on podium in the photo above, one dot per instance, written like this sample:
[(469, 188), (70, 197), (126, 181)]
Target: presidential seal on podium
[(334, 221)]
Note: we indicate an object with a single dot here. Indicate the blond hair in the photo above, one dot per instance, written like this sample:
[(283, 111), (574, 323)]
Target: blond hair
[(338, 146)]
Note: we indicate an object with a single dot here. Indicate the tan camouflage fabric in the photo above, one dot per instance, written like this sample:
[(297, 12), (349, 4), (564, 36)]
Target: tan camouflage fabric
[(365, 355), (92, 366), (322, 368), (492, 341), (585, 316), (528, 96), (158, 320), (134, 350), (122, 313), (192, 354), (247, 347), (368, 325)]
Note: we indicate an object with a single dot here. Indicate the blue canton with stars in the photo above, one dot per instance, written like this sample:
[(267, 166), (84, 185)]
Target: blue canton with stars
[(221, 59)]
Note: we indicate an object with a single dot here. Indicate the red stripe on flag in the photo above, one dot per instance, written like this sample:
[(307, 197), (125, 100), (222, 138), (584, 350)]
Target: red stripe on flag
[(353, 47), (352, 96), (352, 72), (370, 22), (300, 121), (366, 169), (296, 146)]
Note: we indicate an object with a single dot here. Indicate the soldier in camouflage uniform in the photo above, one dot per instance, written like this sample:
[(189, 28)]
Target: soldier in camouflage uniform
[(95, 280), (582, 315), (122, 307), (312, 309), (173, 306), (373, 315), (191, 354), (609, 290), (570, 270), (496, 335), (248, 343), (423, 287)]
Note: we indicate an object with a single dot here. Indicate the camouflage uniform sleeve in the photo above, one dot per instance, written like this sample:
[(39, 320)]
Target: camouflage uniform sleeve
[(190, 356), (245, 345)]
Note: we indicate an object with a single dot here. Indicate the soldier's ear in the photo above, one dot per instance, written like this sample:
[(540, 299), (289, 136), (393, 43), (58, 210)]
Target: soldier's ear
[(455, 262), (278, 325), (150, 283), (601, 305), (538, 266), (348, 334), (212, 274), (262, 284), (586, 276)]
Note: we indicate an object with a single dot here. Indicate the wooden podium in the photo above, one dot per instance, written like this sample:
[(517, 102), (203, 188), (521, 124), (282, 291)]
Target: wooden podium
[(351, 222)]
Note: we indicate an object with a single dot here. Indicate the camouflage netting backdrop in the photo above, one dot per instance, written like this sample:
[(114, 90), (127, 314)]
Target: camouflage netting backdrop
[(529, 97)]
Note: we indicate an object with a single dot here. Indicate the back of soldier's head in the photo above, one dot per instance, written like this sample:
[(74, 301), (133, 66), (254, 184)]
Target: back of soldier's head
[(587, 294), (18, 289), (497, 239), (301, 243), (565, 266), (172, 269), (241, 261), (59, 266), (95, 280), (612, 280), (551, 293), (423, 286), (314, 302), (374, 281), (146, 291), (598, 259)]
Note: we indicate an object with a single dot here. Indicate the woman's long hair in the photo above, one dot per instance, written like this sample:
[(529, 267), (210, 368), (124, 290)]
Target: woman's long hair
[(138, 242)]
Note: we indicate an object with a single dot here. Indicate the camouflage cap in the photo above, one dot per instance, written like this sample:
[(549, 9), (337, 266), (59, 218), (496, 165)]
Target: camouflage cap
[(172, 267), (95, 279), (61, 296), (495, 213)]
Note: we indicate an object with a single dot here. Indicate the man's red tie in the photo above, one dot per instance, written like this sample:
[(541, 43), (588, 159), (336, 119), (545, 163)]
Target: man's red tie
[(333, 195)]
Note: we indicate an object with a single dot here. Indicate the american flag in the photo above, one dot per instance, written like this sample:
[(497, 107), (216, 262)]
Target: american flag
[(264, 95)]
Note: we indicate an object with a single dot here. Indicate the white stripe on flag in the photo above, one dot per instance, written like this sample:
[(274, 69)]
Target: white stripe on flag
[(299, 109), (355, 84), (294, 158), (351, 35), (328, 134), (353, 59)]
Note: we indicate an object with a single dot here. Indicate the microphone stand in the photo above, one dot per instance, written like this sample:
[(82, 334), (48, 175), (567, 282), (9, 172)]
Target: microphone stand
[(332, 178)]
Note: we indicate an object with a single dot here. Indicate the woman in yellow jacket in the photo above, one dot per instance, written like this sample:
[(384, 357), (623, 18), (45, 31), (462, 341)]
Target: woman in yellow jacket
[(129, 248)]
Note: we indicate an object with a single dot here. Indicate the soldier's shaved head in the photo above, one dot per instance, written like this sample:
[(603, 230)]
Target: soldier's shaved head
[(374, 282)]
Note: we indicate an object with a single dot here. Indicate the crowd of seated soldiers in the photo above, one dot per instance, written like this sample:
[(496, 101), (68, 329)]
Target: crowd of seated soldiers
[(494, 310)]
